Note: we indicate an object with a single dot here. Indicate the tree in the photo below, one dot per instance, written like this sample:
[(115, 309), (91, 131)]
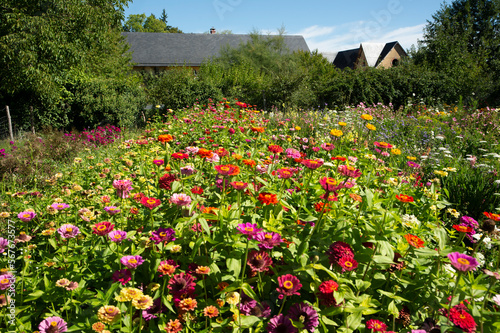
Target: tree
[(141, 23), (463, 40), (48, 48)]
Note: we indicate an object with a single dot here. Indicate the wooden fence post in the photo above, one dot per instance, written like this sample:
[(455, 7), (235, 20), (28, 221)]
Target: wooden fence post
[(10, 123)]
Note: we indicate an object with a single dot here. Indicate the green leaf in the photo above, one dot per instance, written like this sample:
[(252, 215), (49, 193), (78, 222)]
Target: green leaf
[(34, 295), (393, 309), (234, 265), (205, 226), (354, 320), (249, 291), (249, 321)]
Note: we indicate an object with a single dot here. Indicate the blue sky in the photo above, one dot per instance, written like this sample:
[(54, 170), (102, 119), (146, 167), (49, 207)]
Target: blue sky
[(328, 26)]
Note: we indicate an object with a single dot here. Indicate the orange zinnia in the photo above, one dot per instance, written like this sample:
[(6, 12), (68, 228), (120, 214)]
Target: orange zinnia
[(165, 138), (404, 198), (414, 241), (202, 152), (462, 228), (258, 129), (268, 198), (494, 217), (250, 163)]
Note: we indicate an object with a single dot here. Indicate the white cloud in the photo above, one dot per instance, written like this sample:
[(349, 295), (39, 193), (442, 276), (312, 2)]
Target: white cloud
[(349, 36)]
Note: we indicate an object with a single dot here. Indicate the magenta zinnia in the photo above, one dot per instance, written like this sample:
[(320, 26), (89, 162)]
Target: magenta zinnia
[(259, 261), (117, 236), (181, 284), (123, 188), (163, 235), (53, 325), (313, 164), (227, 169), (288, 285), (131, 261), (329, 184), (376, 325), (463, 262), (68, 231), (268, 240), (248, 229), (349, 171), (102, 228)]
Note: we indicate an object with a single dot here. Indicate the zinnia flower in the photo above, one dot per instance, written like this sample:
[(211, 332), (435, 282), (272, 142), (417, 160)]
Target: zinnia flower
[(284, 173), (174, 326), (292, 153), (325, 294), (117, 236), (180, 199), (288, 285), (53, 325), (165, 138), (305, 314), (376, 325), (462, 228), (275, 149), (248, 229), (181, 284), (3, 244), (188, 304), (108, 314), (179, 156), (349, 171), (347, 263), (102, 228), (123, 187), (5, 280), (280, 323), (131, 262), (414, 241), (259, 261), (166, 181), (227, 169), (463, 262), (461, 318), (210, 311), (338, 250), (404, 198), (163, 235), (267, 198), (268, 240), (68, 231), (494, 217), (167, 267), (239, 186), (329, 184), (26, 216), (59, 205), (143, 303), (123, 276), (150, 202), (312, 164)]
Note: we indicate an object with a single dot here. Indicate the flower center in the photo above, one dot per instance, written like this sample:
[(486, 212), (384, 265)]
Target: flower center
[(268, 236), (118, 236), (53, 323), (463, 261), (348, 264), (132, 261), (224, 169), (151, 201), (248, 229), (110, 311), (288, 284), (26, 215), (4, 281), (101, 228), (69, 229), (331, 181), (163, 234), (462, 228)]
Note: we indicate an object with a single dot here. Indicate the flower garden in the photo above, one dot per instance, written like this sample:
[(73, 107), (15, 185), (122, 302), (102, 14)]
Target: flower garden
[(222, 218)]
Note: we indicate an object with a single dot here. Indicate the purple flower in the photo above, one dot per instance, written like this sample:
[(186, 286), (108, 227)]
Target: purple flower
[(463, 262), (414, 165), (280, 323), (163, 235), (112, 210), (68, 231), (268, 240), (306, 314), (131, 261), (248, 229), (26, 216), (156, 308), (53, 325), (59, 205), (3, 244), (117, 236)]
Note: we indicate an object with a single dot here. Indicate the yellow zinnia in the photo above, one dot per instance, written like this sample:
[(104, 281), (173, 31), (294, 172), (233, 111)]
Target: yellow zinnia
[(371, 127), (336, 132)]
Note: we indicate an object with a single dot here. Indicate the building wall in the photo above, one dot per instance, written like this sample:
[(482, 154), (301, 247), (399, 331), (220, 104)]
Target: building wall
[(395, 54)]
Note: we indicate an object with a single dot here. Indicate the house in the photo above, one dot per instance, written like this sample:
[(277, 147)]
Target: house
[(378, 55), (160, 51)]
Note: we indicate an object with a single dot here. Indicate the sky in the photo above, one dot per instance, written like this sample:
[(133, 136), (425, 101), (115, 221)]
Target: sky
[(327, 25)]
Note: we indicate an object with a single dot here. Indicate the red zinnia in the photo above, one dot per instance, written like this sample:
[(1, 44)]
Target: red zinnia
[(404, 198), (179, 156), (289, 285), (348, 263), (237, 185), (275, 149), (494, 217), (462, 318), (414, 241), (376, 325), (382, 144), (329, 184), (150, 202), (268, 198), (462, 228), (339, 158), (103, 228), (312, 164), (197, 190), (227, 169), (325, 294), (166, 181), (284, 173)]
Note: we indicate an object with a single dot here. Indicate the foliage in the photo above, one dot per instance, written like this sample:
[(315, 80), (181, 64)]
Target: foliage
[(46, 48), (143, 23)]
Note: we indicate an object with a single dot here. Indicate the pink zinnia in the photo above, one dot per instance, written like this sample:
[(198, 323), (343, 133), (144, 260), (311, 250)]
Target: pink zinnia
[(284, 173), (59, 205), (102, 228), (117, 236), (292, 153), (349, 171), (313, 164), (180, 199), (268, 240), (463, 262), (376, 325), (123, 188), (288, 285), (26, 216), (53, 325), (237, 185), (158, 162), (248, 229), (131, 261), (150, 202), (6, 280), (68, 231), (329, 184), (347, 263), (327, 146)]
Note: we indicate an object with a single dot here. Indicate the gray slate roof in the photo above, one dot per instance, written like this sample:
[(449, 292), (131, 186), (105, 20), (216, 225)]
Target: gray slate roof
[(177, 49)]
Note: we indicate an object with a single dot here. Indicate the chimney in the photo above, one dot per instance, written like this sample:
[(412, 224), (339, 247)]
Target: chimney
[(212, 30)]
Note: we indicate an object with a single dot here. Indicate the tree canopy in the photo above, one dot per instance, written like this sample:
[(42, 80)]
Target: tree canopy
[(143, 23)]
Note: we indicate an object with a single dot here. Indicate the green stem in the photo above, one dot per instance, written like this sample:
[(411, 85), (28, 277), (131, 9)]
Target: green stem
[(282, 305)]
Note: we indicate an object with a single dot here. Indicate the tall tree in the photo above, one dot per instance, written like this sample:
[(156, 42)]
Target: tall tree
[(463, 39), (143, 23), (47, 46)]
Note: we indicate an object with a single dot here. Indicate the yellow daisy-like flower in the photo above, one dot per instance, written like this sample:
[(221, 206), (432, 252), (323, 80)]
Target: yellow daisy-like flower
[(5, 214), (298, 128), (371, 156), (233, 298), (396, 151), (411, 158), (336, 132), (341, 123), (449, 169), (453, 212), (129, 294), (371, 127), (143, 303), (366, 117), (441, 173)]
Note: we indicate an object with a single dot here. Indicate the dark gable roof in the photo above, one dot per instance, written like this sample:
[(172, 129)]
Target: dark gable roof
[(171, 49), (346, 58)]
